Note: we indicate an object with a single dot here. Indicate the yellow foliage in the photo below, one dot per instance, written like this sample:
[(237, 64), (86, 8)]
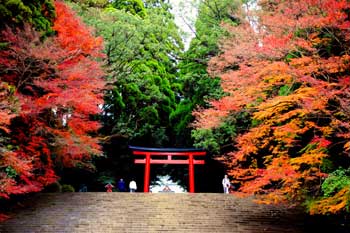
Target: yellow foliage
[(347, 146), (295, 113), (311, 158), (302, 61), (278, 78), (340, 202), (327, 131), (273, 107), (277, 197), (288, 131), (281, 104)]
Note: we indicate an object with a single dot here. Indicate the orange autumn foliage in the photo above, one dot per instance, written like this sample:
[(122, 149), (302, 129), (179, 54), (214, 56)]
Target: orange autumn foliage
[(292, 75), (334, 204)]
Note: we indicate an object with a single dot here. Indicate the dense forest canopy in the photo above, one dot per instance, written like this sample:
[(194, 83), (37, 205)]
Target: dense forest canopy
[(263, 86), (141, 48)]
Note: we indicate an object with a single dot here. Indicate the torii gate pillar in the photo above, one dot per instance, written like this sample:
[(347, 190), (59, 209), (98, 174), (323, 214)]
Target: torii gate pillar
[(166, 157)]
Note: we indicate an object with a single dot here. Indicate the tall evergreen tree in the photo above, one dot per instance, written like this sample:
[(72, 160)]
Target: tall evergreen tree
[(141, 62), (196, 85)]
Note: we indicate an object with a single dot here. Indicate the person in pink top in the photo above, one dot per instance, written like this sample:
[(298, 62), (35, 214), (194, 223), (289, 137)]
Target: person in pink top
[(109, 187)]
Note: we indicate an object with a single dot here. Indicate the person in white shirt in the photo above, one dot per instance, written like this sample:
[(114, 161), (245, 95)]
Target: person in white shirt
[(132, 186), (226, 184)]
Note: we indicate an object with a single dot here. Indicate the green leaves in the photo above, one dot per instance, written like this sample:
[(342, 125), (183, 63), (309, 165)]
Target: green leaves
[(336, 181), (205, 138), (197, 86), (10, 172), (217, 140), (134, 7), (141, 45), (39, 13)]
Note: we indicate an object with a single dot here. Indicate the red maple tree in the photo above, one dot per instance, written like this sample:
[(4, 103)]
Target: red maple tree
[(58, 83), (291, 73)]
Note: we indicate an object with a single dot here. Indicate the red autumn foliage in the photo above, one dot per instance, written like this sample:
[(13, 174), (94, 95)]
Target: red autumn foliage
[(7, 106), (58, 85), (291, 73)]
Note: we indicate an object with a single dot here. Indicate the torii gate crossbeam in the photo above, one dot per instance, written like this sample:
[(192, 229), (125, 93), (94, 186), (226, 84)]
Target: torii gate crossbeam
[(165, 156)]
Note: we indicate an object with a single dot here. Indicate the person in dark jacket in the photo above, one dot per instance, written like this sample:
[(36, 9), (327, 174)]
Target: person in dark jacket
[(121, 185)]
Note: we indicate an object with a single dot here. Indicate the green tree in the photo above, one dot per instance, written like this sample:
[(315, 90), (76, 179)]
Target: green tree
[(141, 55), (135, 7), (196, 85), (38, 13), (92, 3)]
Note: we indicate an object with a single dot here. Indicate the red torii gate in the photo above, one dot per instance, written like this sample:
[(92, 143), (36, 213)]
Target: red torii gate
[(165, 156)]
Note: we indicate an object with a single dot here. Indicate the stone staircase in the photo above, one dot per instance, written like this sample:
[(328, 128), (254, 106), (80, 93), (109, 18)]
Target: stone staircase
[(147, 212)]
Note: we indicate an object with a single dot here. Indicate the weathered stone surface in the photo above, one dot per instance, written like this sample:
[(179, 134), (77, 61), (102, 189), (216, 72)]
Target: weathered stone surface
[(146, 212)]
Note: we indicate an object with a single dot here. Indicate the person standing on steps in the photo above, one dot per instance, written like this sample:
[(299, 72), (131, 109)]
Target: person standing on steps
[(83, 188), (132, 186), (109, 187), (226, 184), (121, 185)]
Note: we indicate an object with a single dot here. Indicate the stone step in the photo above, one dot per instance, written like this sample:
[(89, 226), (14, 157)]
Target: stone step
[(147, 212)]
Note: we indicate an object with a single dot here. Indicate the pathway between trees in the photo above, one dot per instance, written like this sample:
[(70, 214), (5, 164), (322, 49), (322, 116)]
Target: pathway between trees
[(147, 212)]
